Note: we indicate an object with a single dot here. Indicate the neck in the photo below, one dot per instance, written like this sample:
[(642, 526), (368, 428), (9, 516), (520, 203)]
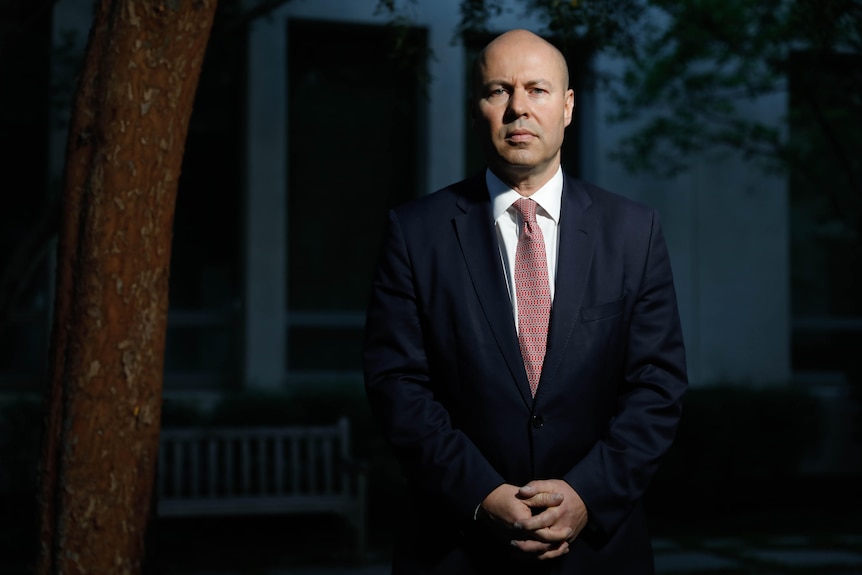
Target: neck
[(526, 182)]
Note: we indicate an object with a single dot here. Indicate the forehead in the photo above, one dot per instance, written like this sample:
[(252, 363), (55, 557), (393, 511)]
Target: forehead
[(521, 62)]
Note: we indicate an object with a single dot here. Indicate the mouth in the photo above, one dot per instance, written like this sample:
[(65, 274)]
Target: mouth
[(520, 136)]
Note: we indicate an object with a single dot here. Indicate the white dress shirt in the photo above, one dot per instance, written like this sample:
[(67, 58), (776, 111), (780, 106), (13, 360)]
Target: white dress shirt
[(509, 224)]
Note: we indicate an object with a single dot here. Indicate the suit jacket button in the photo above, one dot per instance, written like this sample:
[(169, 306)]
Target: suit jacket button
[(538, 421)]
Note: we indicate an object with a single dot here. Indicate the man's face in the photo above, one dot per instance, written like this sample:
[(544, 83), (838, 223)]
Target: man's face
[(523, 106)]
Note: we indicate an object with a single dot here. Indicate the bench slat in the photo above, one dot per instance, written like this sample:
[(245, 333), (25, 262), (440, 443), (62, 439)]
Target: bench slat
[(266, 470), (294, 465), (229, 446), (244, 459)]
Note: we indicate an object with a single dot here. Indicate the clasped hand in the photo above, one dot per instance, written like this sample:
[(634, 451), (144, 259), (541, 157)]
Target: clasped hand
[(560, 515)]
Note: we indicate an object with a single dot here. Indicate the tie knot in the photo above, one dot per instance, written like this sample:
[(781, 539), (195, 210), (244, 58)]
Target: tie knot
[(527, 208)]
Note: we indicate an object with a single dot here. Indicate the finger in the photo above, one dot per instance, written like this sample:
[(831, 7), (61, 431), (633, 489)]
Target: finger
[(555, 534), (536, 486), (544, 500), (542, 550), (546, 518), (543, 529), (554, 552), (552, 535), (532, 547), (527, 491)]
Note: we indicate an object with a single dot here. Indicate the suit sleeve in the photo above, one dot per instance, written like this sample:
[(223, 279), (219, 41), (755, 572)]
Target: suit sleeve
[(403, 395), (616, 471)]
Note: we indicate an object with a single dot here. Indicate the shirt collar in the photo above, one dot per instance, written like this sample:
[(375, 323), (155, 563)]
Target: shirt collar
[(549, 197)]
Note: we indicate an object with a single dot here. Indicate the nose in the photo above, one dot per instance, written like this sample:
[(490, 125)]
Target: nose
[(518, 105)]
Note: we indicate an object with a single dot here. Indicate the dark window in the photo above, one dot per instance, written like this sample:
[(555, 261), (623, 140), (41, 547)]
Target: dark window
[(28, 216), (204, 343), (826, 211), (354, 104)]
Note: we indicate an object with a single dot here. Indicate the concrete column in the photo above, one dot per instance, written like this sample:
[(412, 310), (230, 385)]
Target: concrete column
[(266, 205), (447, 102), (743, 276)]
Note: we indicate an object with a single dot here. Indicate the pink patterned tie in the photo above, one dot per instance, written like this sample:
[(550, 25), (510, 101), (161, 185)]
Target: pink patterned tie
[(533, 292)]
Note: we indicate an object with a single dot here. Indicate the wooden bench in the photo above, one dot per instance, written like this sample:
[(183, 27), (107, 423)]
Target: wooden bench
[(206, 471)]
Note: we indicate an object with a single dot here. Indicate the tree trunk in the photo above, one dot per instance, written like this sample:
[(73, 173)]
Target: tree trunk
[(124, 153)]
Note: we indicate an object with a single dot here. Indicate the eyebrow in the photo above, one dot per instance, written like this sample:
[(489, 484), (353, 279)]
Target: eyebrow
[(527, 83)]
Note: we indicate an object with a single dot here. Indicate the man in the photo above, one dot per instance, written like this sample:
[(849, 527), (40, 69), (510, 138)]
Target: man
[(527, 436)]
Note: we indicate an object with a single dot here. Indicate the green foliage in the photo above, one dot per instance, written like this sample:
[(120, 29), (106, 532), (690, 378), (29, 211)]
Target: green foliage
[(691, 73), (611, 25), (705, 59), (607, 25), (691, 67), (473, 27), (775, 82)]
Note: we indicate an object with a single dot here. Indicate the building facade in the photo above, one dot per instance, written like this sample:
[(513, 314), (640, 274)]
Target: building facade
[(309, 125)]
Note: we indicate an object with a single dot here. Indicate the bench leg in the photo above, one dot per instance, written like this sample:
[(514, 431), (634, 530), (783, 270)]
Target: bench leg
[(360, 519)]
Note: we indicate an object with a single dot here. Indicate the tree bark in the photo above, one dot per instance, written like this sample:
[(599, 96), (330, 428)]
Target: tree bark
[(124, 153)]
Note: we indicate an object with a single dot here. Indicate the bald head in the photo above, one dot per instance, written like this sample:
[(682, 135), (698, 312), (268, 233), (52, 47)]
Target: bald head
[(521, 41)]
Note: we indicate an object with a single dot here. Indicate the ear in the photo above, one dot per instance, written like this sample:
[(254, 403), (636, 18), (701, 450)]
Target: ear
[(570, 106)]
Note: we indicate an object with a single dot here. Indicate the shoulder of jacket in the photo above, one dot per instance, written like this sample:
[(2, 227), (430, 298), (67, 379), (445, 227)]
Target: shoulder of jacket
[(606, 200), (444, 200)]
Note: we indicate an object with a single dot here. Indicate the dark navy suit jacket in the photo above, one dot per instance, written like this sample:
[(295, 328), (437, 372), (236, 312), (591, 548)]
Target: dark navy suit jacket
[(445, 377)]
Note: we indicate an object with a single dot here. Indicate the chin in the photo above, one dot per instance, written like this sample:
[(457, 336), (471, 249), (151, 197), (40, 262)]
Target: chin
[(519, 162), (515, 158)]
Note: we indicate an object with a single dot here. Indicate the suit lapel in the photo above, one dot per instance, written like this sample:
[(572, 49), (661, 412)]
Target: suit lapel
[(476, 234), (574, 261)]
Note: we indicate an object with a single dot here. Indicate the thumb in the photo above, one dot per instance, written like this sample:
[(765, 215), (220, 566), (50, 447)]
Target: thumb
[(536, 486)]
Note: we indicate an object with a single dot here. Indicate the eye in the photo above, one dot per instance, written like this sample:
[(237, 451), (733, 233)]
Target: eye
[(497, 93)]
